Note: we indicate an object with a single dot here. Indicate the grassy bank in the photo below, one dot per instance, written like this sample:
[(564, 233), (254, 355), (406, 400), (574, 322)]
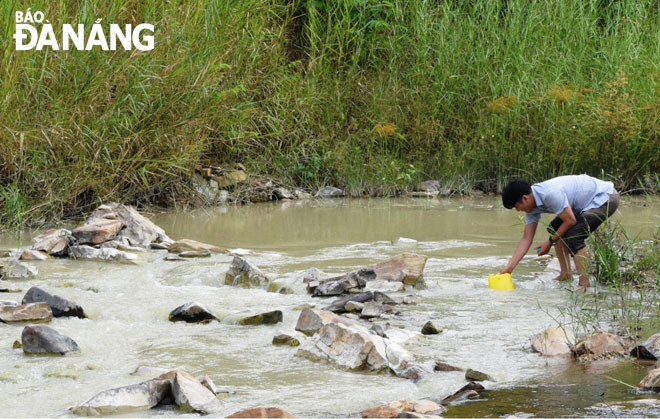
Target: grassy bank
[(367, 95)]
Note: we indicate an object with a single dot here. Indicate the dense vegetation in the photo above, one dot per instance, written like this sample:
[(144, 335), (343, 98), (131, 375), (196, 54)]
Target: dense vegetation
[(368, 95)]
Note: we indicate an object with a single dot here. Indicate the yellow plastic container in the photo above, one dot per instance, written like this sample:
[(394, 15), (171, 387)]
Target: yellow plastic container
[(500, 282)]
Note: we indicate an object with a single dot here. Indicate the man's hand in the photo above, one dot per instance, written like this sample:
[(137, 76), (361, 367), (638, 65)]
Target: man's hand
[(543, 248), (506, 270)]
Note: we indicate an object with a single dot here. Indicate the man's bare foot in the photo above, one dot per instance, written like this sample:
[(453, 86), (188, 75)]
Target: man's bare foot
[(564, 276), (584, 283)]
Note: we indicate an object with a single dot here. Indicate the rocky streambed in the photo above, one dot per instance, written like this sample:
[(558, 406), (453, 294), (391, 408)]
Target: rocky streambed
[(296, 330)]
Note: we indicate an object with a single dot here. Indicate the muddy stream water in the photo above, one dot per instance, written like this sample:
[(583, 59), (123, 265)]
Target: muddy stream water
[(464, 239)]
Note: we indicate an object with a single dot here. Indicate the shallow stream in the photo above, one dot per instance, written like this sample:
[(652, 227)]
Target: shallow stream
[(464, 239)]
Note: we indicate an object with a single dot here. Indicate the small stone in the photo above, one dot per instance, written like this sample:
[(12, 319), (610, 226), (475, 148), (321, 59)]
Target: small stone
[(262, 412), (330, 192), (195, 254), (430, 329), (353, 306), (286, 340), (272, 317), (208, 383), (159, 246), (372, 309), (473, 375), (444, 367), (17, 345), (192, 312)]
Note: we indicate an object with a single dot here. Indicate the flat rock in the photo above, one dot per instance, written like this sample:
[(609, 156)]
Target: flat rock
[(12, 269), (88, 252), (474, 375), (384, 286), (468, 391), (33, 312), (61, 307), (192, 312), (243, 274), (195, 254), (262, 412), (127, 399), (430, 329), (33, 255), (555, 341), (405, 409), (99, 231), (272, 317), (599, 344), (137, 229), (187, 245), (191, 395), (52, 241), (330, 192), (372, 309), (43, 339), (649, 349)]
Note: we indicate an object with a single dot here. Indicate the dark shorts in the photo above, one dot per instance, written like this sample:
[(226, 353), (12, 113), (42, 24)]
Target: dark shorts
[(586, 222)]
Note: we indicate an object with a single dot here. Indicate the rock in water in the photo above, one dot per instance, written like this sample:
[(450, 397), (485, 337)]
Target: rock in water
[(650, 349), (60, 307), (33, 255), (651, 381), (126, 399), (43, 339), (286, 340), (12, 269), (474, 375), (262, 412), (272, 317), (430, 329), (138, 230), (191, 395), (555, 341), (243, 274), (187, 245), (54, 242), (88, 252), (32, 312), (191, 313), (468, 391), (406, 268), (311, 320), (330, 192), (599, 344), (97, 232)]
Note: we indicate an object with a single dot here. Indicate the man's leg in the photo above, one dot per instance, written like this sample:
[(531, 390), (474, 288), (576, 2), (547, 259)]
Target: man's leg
[(580, 260), (564, 261)]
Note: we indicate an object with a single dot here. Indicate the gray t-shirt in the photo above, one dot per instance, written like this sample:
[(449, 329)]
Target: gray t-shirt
[(580, 192)]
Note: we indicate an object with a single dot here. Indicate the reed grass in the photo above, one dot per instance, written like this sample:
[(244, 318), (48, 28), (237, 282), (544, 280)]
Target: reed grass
[(472, 91)]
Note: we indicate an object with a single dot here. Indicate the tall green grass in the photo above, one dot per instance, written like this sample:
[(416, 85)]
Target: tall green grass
[(477, 91)]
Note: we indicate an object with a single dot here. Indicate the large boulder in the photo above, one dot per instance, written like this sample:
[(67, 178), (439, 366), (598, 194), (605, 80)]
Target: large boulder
[(555, 341), (272, 317), (61, 307), (262, 412), (137, 230), (425, 408), (32, 312), (54, 242), (43, 339), (243, 274), (187, 245), (599, 344), (649, 349), (12, 269), (192, 312), (406, 268), (99, 231), (126, 399), (191, 395), (311, 320), (88, 252), (355, 348)]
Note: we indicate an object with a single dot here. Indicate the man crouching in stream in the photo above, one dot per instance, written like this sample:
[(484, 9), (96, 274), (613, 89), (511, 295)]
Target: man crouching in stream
[(581, 203)]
